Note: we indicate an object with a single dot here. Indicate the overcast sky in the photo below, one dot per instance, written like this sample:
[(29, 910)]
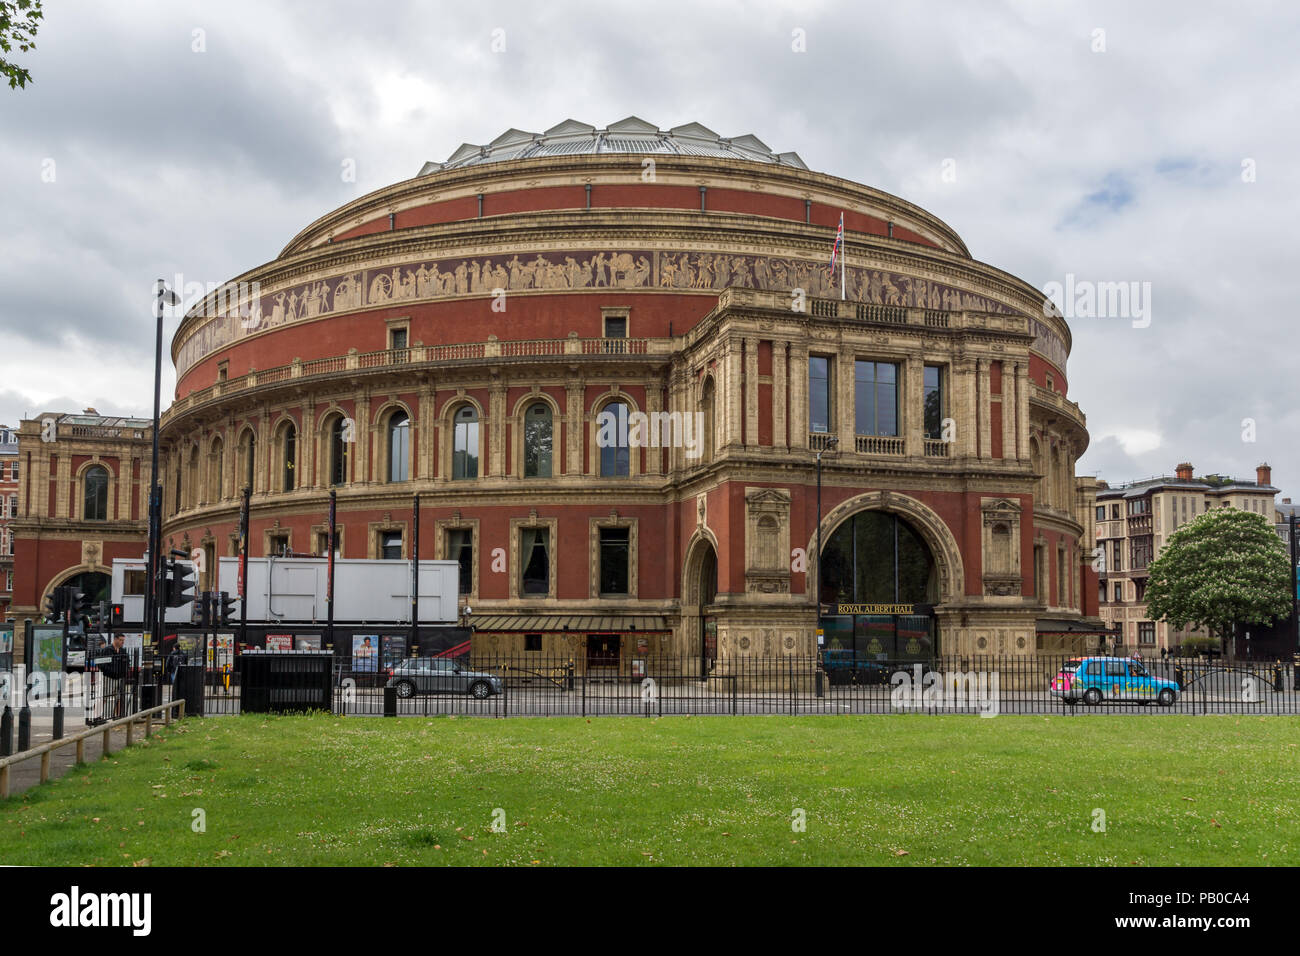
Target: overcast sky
[(1114, 142)]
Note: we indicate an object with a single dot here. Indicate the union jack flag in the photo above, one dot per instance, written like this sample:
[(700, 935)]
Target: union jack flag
[(838, 248)]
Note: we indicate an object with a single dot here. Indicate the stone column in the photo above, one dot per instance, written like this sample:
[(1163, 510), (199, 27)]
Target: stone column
[(912, 414), (1010, 403), (497, 443), (732, 392), (843, 369), (653, 404), (364, 436), (751, 391), (306, 451), (1022, 409), (574, 399), (984, 407), (779, 393), (799, 396), (261, 466)]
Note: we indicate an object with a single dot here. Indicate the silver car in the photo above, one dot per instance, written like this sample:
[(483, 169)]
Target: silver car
[(439, 675)]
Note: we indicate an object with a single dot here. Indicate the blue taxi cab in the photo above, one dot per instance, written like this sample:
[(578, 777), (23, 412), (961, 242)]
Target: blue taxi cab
[(1119, 679)]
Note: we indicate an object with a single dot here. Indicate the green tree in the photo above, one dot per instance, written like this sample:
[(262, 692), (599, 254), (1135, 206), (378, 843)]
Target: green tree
[(18, 21), (1227, 566)]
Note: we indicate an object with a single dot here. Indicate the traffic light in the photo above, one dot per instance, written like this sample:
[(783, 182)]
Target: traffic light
[(119, 613), (56, 604), (226, 608), (99, 620), (202, 612), (79, 604), (180, 584)]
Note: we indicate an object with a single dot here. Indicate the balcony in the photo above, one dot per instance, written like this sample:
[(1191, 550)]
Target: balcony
[(879, 445), (820, 441), (418, 356), (938, 449)]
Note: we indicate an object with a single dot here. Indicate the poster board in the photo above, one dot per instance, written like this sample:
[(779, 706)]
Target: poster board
[(365, 653)]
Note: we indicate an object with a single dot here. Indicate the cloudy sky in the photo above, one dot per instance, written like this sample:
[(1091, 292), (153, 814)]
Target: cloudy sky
[(1149, 143)]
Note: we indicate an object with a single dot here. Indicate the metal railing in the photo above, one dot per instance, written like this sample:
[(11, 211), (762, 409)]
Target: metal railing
[(79, 740)]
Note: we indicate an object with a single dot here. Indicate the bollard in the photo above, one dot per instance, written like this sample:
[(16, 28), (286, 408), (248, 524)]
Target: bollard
[(390, 701), (817, 683), (58, 721), (569, 680), (24, 729), (7, 731)]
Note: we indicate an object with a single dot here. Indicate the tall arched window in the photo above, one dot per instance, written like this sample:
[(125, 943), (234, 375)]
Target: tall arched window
[(339, 433), (611, 438), (399, 447), (95, 494), (192, 478), (537, 441), (215, 482), (248, 452), (289, 456), (464, 449), (707, 414)]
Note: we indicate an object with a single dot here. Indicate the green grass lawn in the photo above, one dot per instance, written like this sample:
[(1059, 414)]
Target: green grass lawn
[(901, 790)]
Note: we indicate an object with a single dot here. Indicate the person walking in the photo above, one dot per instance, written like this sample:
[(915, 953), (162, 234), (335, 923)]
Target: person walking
[(115, 672)]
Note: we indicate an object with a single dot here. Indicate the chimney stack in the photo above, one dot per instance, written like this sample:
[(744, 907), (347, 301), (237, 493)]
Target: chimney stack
[(1184, 471), (1264, 474)]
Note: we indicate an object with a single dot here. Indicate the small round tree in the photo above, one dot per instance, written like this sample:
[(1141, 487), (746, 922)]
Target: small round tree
[(1226, 566)]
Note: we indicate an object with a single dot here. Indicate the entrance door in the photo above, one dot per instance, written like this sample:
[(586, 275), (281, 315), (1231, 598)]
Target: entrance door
[(603, 652)]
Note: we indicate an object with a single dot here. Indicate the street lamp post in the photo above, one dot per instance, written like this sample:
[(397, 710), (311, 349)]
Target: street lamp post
[(163, 297), (831, 442)]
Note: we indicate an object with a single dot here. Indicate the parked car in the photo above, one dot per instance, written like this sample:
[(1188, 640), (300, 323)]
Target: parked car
[(1120, 679), (440, 675), (1064, 679)]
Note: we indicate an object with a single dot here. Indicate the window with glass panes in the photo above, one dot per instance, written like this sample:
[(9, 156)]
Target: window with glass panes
[(390, 545), (876, 398), (460, 548), (934, 402), (614, 552), (819, 393)]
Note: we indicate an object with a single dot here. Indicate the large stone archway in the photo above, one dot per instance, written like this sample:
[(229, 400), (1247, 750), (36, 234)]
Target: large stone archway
[(701, 553), (933, 529)]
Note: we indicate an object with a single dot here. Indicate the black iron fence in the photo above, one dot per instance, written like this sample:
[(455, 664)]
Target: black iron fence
[(533, 685)]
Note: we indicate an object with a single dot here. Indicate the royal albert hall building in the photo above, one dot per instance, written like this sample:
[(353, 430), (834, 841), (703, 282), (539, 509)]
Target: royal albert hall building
[(470, 335)]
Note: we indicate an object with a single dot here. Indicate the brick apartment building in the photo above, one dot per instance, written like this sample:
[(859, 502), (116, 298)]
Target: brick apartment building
[(82, 500), (1133, 522), (8, 511)]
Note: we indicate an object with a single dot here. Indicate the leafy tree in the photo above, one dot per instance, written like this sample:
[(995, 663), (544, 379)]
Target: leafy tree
[(18, 21), (1226, 566)]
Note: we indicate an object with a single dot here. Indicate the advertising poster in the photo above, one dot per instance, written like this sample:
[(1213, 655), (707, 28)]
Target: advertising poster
[(365, 652), (47, 648), (188, 644), (307, 642), (221, 651), (394, 650), (279, 642)]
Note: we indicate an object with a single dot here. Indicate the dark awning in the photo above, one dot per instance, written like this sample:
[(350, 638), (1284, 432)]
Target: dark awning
[(1057, 627), (540, 623)]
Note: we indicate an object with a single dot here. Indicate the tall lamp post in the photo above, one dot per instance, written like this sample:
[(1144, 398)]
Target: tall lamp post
[(831, 442), (163, 296)]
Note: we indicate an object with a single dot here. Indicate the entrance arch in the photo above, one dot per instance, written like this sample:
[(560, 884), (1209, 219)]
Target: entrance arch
[(886, 561), (932, 530), (699, 591)]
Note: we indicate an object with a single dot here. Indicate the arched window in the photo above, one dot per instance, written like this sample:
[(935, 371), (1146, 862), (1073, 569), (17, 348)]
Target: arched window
[(399, 447), (611, 438), (537, 441), (248, 454), (339, 433), (464, 453), (708, 415), (192, 478), (768, 545), (95, 494), (216, 476), (289, 455)]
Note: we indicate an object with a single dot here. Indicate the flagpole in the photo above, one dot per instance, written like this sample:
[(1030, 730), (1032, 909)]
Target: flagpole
[(844, 248)]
